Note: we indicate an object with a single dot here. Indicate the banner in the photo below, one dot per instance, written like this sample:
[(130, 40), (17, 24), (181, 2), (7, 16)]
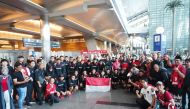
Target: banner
[(157, 42), (94, 52), (98, 84)]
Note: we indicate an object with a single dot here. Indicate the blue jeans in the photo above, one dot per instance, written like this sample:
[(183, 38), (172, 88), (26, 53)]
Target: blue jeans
[(22, 95)]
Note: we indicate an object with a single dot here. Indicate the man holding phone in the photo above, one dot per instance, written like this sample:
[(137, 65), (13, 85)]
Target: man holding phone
[(20, 82)]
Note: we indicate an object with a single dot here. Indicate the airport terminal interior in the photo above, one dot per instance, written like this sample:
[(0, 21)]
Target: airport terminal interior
[(94, 54)]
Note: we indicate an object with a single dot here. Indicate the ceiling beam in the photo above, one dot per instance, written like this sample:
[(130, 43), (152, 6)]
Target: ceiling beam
[(66, 22), (26, 6), (35, 5), (10, 18), (67, 8)]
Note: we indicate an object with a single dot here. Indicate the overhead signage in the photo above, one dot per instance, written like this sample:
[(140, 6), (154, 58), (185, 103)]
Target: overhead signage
[(38, 43)]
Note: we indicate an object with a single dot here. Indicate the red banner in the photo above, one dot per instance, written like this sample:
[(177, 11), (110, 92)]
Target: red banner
[(94, 51)]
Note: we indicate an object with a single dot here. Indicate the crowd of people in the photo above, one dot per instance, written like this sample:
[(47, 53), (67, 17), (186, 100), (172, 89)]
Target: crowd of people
[(158, 81)]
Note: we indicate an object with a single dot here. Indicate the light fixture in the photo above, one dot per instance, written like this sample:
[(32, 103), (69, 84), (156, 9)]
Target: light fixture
[(4, 42), (13, 35), (160, 30), (6, 46)]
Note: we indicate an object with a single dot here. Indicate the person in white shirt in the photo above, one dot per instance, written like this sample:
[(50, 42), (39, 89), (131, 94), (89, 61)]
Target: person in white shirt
[(147, 96)]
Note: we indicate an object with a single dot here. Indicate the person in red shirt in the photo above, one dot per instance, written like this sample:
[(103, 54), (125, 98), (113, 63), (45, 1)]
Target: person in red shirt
[(177, 80), (51, 95), (124, 66), (164, 98)]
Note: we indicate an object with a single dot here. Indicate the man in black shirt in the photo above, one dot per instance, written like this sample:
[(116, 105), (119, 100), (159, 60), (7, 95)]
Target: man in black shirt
[(51, 63), (40, 82), (62, 86), (20, 82), (21, 61), (167, 64), (88, 67), (72, 67), (101, 66), (186, 86), (64, 65), (73, 84), (31, 67), (94, 65), (115, 79), (80, 67), (158, 74), (58, 68), (155, 61), (108, 64)]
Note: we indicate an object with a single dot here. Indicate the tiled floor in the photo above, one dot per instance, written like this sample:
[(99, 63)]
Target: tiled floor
[(116, 99)]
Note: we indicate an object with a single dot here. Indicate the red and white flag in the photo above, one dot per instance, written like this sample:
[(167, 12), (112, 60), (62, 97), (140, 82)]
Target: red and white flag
[(98, 84)]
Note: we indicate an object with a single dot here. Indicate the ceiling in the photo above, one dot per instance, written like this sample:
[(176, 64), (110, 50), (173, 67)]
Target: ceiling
[(134, 14), (68, 19)]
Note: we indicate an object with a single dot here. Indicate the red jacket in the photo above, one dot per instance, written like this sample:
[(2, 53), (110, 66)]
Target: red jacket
[(50, 89)]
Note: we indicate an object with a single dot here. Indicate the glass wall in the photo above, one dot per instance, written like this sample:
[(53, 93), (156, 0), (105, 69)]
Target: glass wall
[(160, 17)]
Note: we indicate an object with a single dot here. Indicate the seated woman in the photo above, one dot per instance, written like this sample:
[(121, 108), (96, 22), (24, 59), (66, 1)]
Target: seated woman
[(51, 95), (164, 98), (62, 87), (73, 84)]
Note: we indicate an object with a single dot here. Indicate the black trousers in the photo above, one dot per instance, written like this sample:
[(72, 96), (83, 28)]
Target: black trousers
[(52, 99), (29, 92), (14, 93), (143, 104), (40, 93), (184, 94)]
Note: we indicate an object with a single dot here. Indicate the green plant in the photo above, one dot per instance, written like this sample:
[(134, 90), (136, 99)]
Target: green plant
[(172, 6)]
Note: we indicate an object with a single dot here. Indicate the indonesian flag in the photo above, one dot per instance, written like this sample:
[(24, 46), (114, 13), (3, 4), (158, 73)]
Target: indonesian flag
[(98, 84)]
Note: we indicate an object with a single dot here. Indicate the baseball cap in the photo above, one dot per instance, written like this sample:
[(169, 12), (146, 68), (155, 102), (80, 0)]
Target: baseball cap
[(159, 83)]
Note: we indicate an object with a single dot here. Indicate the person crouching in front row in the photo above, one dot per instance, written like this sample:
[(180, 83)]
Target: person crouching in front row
[(73, 84), (51, 95), (62, 87), (147, 96), (164, 98)]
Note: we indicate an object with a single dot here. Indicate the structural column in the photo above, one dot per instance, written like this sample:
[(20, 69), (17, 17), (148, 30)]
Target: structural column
[(45, 37), (110, 48), (90, 42), (105, 45)]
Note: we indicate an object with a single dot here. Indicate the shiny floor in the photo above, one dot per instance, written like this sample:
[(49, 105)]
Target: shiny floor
[(116, 99)]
